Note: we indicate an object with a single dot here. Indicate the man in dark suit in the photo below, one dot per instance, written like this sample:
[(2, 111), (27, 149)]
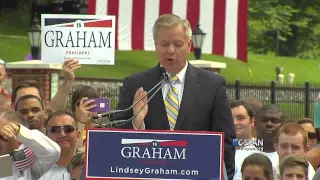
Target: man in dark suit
[(197, 98)]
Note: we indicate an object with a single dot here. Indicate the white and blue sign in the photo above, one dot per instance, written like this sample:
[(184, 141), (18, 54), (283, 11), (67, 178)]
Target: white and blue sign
[(123, 154)]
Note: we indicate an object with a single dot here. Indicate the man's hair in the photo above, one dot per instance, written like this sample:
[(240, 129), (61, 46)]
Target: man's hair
[(81, 92), (305, 121), (170, 21), (238, 103), (270, 107), (13, 116), (58, 114), (292, 160), (292, 129), (26, 84), (29, 97), (258, 159), (254, 103)]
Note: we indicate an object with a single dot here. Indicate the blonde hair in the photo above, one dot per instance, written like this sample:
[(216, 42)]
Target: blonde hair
[(170, 21)]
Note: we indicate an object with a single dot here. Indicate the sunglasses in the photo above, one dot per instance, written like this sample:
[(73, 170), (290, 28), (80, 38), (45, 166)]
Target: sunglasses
[(67, 129), (312, 135)]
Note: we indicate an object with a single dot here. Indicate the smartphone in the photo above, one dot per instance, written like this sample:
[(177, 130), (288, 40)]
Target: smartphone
[(103, 104), (6, 166)]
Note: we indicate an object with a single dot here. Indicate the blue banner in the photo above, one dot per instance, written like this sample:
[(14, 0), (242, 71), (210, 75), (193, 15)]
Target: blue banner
[(118, 154)]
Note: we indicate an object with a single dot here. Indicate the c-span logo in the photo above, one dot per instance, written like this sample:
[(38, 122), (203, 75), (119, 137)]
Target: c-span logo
[(156, 149), (248, 144)]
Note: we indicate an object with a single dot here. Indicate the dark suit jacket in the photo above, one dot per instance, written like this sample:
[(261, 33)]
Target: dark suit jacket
[(204, 106)]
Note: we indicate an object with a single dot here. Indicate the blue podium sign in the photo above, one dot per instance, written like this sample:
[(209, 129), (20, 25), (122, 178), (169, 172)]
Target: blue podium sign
[(130, 154)]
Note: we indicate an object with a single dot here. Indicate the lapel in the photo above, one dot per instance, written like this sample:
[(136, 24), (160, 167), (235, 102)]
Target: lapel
[(189, 93), (157, 113)]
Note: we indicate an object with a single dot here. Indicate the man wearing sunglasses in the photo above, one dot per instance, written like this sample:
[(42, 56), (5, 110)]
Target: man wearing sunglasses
[(32, 152), (307, 125), (61, 127)]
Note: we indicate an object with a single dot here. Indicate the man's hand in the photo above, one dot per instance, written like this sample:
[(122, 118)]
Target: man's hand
[(142, 114), (69, 67), (9, 131)]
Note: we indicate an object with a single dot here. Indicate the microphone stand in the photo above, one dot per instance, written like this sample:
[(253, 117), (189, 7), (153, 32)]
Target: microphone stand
[(117, 123), (110, 113)]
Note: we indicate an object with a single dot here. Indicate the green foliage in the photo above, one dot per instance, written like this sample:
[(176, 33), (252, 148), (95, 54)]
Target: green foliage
[(296, 21)]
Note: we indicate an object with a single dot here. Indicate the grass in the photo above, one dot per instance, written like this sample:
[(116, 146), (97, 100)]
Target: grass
[(128, 62)]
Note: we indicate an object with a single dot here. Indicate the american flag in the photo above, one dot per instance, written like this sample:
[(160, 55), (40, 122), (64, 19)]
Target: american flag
[(224, 21), (23, 158)]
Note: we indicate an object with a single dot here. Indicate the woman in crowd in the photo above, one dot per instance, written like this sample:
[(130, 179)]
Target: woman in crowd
[(257, 166)]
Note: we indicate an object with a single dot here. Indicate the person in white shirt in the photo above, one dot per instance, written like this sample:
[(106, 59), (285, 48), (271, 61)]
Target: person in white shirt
[(243, 118), (268, 121), (292, 139), (61, 127), (32, 153)]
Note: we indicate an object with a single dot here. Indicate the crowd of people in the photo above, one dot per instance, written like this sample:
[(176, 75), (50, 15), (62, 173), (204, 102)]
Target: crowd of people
[(50, 141)]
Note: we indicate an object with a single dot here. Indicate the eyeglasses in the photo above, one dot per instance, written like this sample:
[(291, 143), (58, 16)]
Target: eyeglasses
[(312, 135), (67, 129)]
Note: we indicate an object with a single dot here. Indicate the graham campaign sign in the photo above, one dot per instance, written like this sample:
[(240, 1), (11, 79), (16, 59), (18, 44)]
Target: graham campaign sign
[(87, 38), (126, 154)]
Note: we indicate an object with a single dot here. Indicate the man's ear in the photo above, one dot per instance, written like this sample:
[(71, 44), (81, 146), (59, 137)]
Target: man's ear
[(78, 135), (275, 146), (307, 148), (190, 44)]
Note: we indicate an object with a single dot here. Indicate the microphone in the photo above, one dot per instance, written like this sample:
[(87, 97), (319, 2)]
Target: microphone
[(164, 78), (124, 121)]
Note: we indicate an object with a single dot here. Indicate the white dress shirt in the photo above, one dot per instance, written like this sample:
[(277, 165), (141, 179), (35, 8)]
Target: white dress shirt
[(45, 150), (179, 85), (57, 173)]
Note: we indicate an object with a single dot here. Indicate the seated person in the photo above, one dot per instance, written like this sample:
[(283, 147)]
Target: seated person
[(293, 167), (39, 152)]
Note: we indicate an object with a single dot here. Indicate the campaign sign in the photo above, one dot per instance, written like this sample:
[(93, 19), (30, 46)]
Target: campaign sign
[(123, 154), (87, 38)]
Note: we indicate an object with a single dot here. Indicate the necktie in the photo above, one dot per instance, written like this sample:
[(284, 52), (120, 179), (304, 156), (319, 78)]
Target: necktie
[(172, 103), (23, 158)]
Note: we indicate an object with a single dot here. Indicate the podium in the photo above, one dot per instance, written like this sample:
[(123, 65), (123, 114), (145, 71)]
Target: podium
[(131, 154)]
